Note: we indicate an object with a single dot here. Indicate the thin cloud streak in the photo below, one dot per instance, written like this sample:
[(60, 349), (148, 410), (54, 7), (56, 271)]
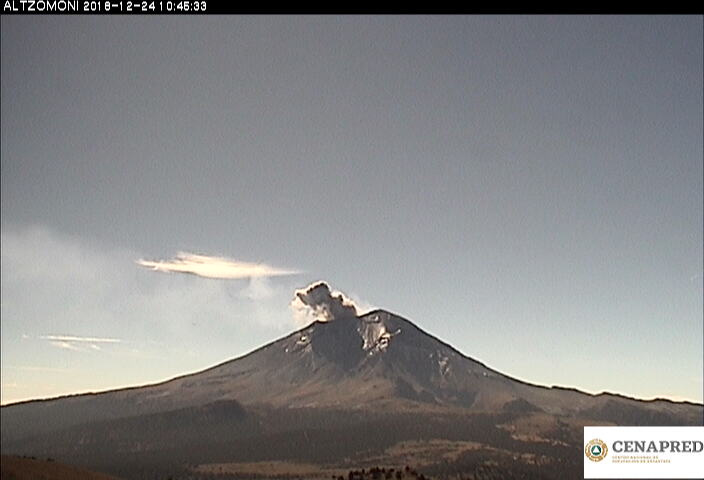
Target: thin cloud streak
[(70, 338), (214, 267), (78, 344), (65, 346)]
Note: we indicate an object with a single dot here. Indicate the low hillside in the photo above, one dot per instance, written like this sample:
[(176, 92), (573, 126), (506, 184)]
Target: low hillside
[(30, 468)]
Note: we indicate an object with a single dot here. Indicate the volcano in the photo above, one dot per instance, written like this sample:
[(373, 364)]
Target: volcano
[(346, 392)]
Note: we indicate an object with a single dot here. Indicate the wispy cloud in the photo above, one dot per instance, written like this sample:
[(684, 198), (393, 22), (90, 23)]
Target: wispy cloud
[(214, 267), (66, 346), (72, 338), (76, 343), (90, 291)]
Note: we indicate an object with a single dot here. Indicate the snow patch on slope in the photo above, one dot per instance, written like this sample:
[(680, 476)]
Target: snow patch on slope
[(375, 336)]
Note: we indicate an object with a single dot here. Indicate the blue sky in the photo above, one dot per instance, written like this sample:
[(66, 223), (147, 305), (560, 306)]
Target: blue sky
[(528, 189)]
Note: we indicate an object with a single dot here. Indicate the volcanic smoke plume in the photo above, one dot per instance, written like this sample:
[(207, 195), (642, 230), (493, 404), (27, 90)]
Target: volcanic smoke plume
[(318, 302)]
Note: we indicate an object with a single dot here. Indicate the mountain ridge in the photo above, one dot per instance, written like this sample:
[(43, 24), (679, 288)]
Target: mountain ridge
[(366, 314), (335, 393)]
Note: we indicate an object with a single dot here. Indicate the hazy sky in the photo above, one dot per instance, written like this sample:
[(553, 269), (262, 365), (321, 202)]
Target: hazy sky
[(528, 189)]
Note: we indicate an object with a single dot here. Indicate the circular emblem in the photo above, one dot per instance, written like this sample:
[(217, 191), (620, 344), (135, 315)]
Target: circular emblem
[(596, 450)]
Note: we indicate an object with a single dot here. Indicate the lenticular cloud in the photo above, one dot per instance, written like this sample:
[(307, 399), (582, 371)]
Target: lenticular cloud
[(214, 267)]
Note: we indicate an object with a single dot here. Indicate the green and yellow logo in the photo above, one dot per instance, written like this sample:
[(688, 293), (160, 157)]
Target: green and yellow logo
[(596, 450)]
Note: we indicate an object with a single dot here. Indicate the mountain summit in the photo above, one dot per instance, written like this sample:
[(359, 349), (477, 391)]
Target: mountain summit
[(353, 362), (343, 372)]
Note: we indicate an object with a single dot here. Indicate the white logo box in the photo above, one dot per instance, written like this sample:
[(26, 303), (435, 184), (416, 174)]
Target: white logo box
[(646, 452)]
